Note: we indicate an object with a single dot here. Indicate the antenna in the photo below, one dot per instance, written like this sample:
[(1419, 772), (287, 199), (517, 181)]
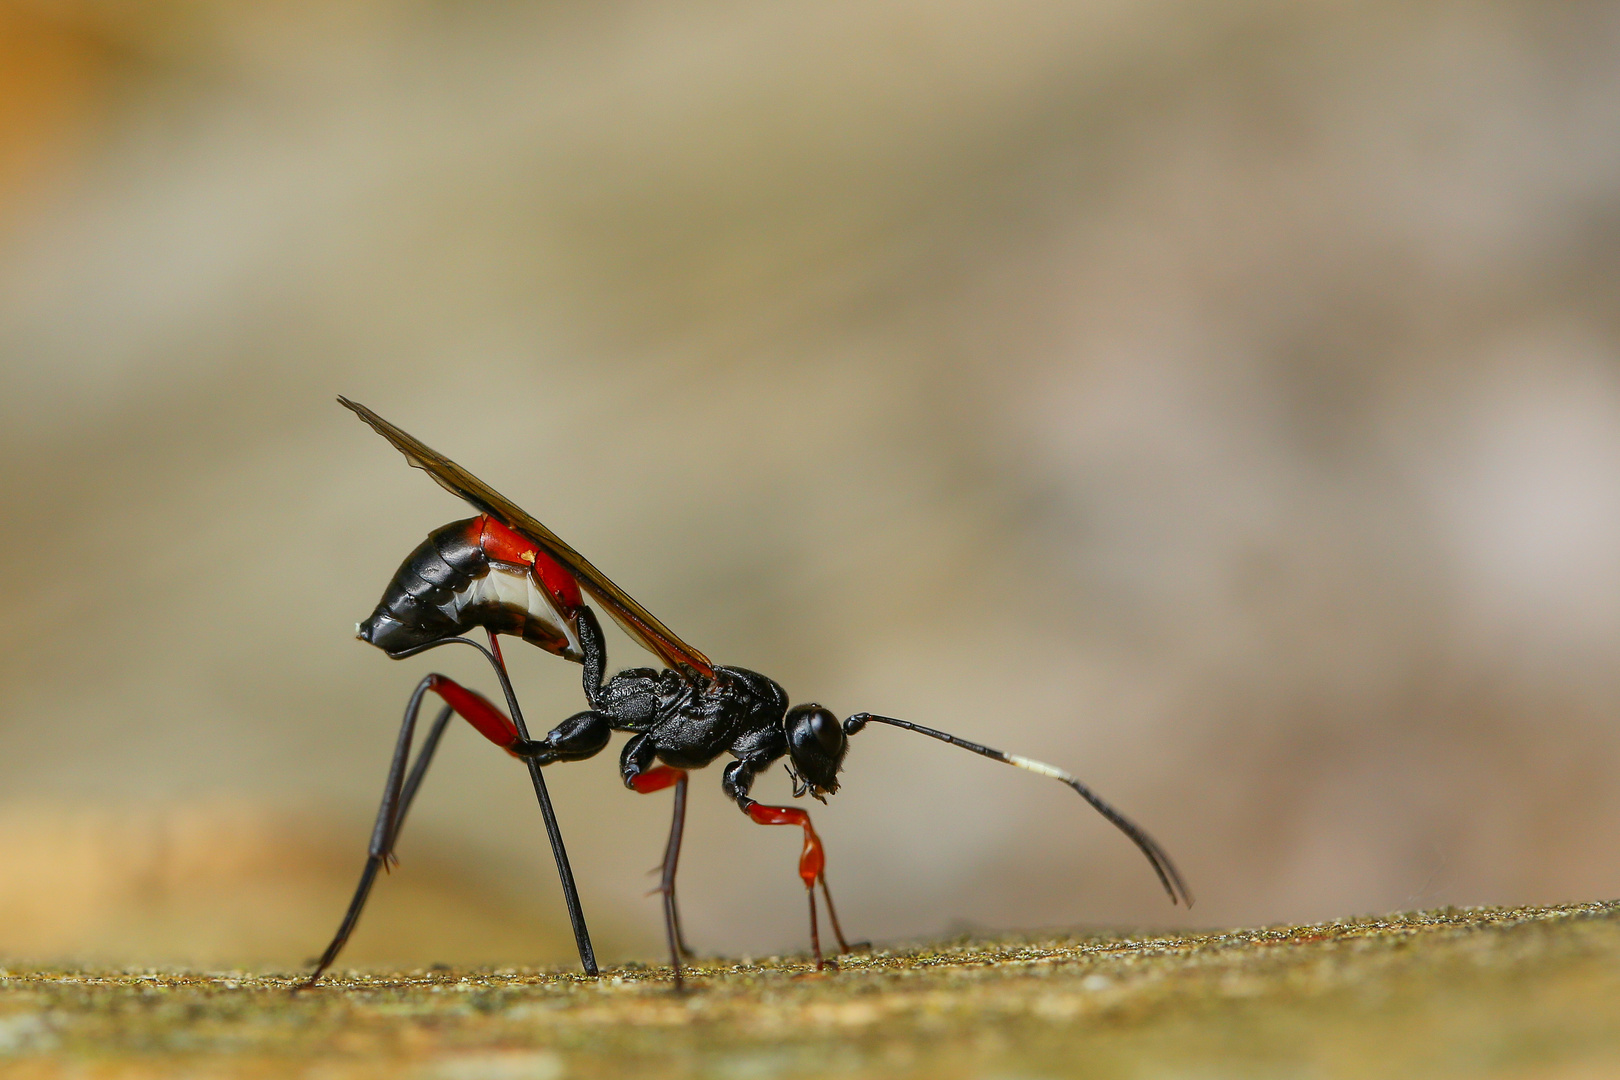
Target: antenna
[(1169, 877)]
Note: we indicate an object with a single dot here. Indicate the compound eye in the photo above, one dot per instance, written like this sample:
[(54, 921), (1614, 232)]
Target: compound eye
[(828, 732)]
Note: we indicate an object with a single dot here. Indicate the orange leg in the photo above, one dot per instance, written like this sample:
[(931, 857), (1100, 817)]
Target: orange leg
[(812, 865), (477, 710)]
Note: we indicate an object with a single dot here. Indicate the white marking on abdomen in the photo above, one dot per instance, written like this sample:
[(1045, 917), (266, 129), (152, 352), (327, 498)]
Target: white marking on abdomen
[(514, 589)]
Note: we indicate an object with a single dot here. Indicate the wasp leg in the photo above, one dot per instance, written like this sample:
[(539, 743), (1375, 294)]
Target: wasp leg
[(832, 914), (514, 729), (477, 710), (657, 779), (672, 858), (575, 738), (640, 775), (739, 777), (580, 736), (565, 873), (812, 859), (398, 794)]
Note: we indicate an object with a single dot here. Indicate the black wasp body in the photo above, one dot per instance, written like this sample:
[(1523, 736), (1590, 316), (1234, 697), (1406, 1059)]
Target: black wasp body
[(682, 722), (685, 726), (478, 574), (505, 573)]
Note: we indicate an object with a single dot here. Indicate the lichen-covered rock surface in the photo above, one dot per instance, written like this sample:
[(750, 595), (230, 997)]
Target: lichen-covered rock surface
[(1500, 992)]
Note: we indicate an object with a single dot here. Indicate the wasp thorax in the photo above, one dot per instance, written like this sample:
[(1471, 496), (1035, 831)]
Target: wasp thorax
[(816, 743)]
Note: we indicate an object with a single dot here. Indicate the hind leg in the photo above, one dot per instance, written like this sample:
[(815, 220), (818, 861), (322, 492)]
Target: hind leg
[(398, 794), (576, 738)]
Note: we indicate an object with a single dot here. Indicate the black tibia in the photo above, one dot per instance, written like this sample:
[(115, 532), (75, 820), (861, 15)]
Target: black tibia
[(580, 736), (565, 873), (639, 754), (398, 793), (672, 859), (666, 882), (388, 826)]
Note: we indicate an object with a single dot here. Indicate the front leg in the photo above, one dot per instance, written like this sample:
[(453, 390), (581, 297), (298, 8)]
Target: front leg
[(737, 781)]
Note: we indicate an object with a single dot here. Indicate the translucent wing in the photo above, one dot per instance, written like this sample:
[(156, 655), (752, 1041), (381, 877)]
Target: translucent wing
[(636, 620)]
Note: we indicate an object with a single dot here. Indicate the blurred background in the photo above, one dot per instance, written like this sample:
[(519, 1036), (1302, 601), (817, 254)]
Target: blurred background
[(1221, 400)]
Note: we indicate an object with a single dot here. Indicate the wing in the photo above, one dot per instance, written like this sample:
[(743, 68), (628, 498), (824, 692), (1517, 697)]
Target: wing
[(636, 620)]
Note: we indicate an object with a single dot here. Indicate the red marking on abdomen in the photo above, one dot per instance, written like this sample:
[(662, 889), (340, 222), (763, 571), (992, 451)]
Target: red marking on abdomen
[(812, 860), (657, 779), (477, 710), (504, 545)]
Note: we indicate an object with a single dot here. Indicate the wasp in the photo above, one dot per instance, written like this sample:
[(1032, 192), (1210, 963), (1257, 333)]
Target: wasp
[(505, 573)]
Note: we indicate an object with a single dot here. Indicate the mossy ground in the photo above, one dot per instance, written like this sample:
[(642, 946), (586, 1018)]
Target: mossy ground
[(1531, 992)]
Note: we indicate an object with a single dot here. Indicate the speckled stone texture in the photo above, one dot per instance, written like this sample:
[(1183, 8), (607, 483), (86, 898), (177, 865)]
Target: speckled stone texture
[(1500, 992)]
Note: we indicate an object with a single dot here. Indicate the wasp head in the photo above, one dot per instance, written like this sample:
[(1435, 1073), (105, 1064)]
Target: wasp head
[(816, 746)]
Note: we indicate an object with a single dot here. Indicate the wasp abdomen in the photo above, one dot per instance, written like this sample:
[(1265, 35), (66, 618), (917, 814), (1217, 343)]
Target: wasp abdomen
[(475, 573)]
